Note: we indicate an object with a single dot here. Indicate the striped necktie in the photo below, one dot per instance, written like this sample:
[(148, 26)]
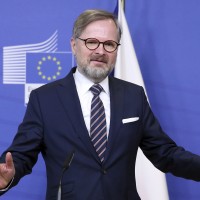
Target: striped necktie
[(98, 131)]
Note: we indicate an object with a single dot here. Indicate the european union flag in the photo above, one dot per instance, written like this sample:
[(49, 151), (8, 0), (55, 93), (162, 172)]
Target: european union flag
[(47, 67)]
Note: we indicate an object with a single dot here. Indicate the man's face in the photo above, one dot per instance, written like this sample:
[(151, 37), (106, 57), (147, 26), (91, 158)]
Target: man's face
[(96, 64)]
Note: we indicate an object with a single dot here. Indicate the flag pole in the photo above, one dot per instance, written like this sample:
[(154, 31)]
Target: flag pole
[(123, 4)]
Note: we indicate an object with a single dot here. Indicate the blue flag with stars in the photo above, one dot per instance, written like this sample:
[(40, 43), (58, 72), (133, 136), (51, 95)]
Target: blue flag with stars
[(47, 67)]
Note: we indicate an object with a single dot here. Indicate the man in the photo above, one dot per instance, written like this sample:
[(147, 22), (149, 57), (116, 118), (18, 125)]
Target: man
[(62, 120)]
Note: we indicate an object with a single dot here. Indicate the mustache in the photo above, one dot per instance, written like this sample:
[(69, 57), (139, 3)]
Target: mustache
[(99, 58)]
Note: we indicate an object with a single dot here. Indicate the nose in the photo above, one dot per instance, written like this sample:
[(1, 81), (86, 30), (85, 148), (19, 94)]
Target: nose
[(100, 49)]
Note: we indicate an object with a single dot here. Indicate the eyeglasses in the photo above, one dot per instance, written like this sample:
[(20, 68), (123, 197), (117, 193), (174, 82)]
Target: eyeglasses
[(92, 44)]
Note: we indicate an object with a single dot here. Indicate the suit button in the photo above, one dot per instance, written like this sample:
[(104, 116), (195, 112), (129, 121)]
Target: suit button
[(104, 171)]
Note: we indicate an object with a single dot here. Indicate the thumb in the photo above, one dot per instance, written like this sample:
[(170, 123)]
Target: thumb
[(7, 171), (9, 161)]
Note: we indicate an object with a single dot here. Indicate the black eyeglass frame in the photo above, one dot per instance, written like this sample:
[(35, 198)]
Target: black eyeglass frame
[(85, 40)]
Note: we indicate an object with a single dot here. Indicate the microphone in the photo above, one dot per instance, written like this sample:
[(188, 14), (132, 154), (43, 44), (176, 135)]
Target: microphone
[(66, 166)]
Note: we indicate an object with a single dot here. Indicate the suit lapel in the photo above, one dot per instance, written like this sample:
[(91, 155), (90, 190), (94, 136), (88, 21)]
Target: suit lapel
[(116, 102), (69, 98)]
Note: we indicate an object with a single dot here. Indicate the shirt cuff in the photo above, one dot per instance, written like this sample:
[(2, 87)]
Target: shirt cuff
[(5, 189)]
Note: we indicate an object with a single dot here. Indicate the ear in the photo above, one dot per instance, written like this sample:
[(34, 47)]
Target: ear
[(73, 46)]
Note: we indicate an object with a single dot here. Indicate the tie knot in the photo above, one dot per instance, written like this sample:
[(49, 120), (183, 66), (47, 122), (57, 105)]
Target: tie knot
[(96, 89)]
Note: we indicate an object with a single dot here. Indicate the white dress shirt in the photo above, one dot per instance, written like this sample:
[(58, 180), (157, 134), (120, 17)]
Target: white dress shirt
[(85, 96)]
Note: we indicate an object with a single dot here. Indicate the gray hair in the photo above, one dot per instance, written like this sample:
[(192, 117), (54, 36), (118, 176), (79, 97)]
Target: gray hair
[(90, 16)]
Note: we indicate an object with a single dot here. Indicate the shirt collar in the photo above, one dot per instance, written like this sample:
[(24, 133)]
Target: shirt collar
[(83, 84)]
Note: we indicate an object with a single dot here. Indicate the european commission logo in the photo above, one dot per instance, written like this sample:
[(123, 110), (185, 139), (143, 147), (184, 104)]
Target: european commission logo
[(34, 65)]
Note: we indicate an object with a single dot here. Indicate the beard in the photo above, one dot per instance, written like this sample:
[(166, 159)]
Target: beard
[(96, 73)]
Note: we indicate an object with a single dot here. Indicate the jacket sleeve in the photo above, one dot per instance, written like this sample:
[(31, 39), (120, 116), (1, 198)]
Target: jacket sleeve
[(27, 142), (162, 151)]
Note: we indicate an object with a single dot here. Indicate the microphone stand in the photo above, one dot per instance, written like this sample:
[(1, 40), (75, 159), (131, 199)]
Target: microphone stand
[(66, 166)]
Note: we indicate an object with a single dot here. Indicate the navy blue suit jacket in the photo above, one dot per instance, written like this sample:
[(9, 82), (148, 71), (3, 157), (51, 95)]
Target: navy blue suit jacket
[(54, 125)]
